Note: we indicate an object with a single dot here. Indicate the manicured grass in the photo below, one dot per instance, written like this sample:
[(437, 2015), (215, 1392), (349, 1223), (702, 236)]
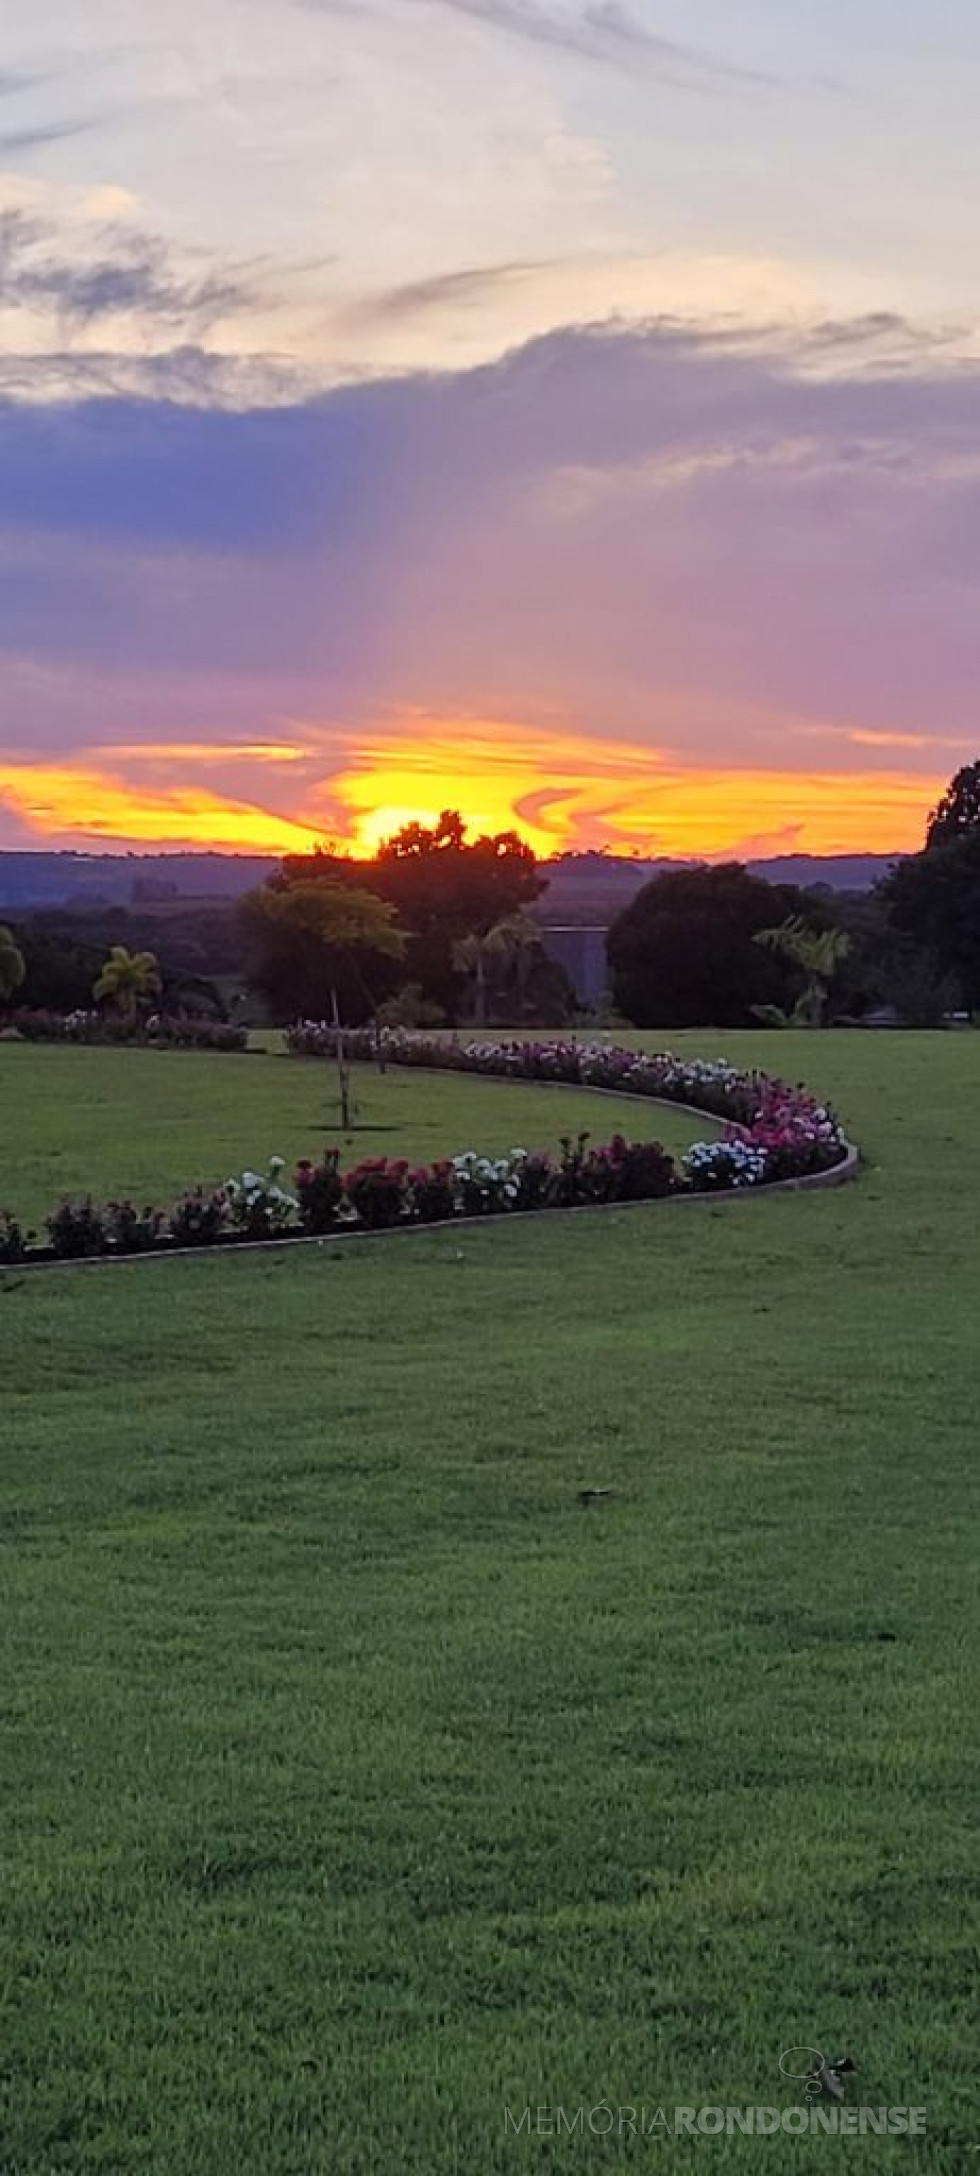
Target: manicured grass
[(147, 1123), (359, 1784)]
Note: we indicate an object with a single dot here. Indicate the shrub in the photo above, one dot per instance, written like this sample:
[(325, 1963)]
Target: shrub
[(14, 1241), (198, 1219), (77, 1230), (169, 1032), (715, 1167), (159, 1032), (432, 1192), (535, 1178), (320, 1192), (568, 1183), (130, 1230), (410, 1008), (628, 1171), (378, 1192), (258, 1207), (489, 1185)]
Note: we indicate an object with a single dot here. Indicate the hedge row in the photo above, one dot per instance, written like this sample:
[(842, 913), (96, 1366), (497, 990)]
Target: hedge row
[(157, 1031)]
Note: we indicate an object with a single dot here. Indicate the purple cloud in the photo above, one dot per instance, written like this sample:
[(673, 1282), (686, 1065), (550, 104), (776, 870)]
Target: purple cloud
[(646, 532)]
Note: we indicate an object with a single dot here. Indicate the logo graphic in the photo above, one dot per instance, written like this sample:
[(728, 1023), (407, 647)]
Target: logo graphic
[(810, 2068)]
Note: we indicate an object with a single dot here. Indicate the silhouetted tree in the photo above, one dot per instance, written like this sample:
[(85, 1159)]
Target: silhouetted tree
[(60, 969), (957, 813), (683, 953), (127, 981), (320, 949), (498, 965), (12, 965), (934, 899), (446, 888), (885, 966)]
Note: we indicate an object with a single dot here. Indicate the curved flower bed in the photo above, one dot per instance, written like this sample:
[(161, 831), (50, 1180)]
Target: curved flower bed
[(158, 1031), (772, 1131), (380, 1193), (772, 1134)]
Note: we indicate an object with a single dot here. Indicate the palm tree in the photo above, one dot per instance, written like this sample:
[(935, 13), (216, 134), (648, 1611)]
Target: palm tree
[(514, 942), (470, 958), (12, 968), (128, 980), (817, 952), (509, 946)]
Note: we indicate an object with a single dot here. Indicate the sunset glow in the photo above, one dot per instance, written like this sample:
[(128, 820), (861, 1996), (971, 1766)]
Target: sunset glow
[(87, 807), (626, 799), (465, 405)]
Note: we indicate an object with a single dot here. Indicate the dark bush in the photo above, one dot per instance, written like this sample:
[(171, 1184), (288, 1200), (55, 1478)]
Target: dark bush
[(567, 1183), (683, 953), (198, 1218), (77, 1230), (432, 1192), (377, 1190), (157, 1032), (14, 1241), (131, 1230), (320, 1190), (535, 1179), (628, 1171)]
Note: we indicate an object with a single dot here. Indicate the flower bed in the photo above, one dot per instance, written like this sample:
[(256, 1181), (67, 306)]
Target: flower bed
[(772, 1134), (159, 1031), (771, 1131), (377, 1194)]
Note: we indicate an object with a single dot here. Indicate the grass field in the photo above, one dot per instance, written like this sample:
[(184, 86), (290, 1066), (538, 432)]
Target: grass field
[(359, 1785)]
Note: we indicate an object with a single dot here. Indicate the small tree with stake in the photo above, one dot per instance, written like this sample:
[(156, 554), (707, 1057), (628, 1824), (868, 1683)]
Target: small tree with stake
[(341, 930)]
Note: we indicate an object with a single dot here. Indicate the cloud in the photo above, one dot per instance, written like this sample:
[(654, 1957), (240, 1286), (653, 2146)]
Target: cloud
[(33, 135), (470, 284), (102, 805), (13, 81), (185, 375), (620, 794), (643, 559), (607, 33), (114, 271), (33, 138)]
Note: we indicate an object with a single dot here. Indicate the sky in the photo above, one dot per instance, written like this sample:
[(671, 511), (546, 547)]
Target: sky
[(563, 410)]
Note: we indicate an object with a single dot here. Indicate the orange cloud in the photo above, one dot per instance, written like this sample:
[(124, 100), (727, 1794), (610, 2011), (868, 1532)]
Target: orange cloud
[(204, 751), (560, 790), (82, 805), (564, 791)]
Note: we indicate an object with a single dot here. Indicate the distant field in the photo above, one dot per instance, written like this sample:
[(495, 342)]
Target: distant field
[(147, 1123), (359, 1785)]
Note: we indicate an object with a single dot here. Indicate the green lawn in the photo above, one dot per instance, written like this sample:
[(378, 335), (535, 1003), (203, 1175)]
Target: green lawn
[(359, 1785), (147, 1123)]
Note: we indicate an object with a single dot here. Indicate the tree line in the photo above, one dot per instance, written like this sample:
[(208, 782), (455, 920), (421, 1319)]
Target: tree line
[(438, 927)]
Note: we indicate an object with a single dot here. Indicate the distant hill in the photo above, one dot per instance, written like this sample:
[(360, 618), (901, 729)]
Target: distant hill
[(594, 888), (840, 872), (116, 880), (582, 888)]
